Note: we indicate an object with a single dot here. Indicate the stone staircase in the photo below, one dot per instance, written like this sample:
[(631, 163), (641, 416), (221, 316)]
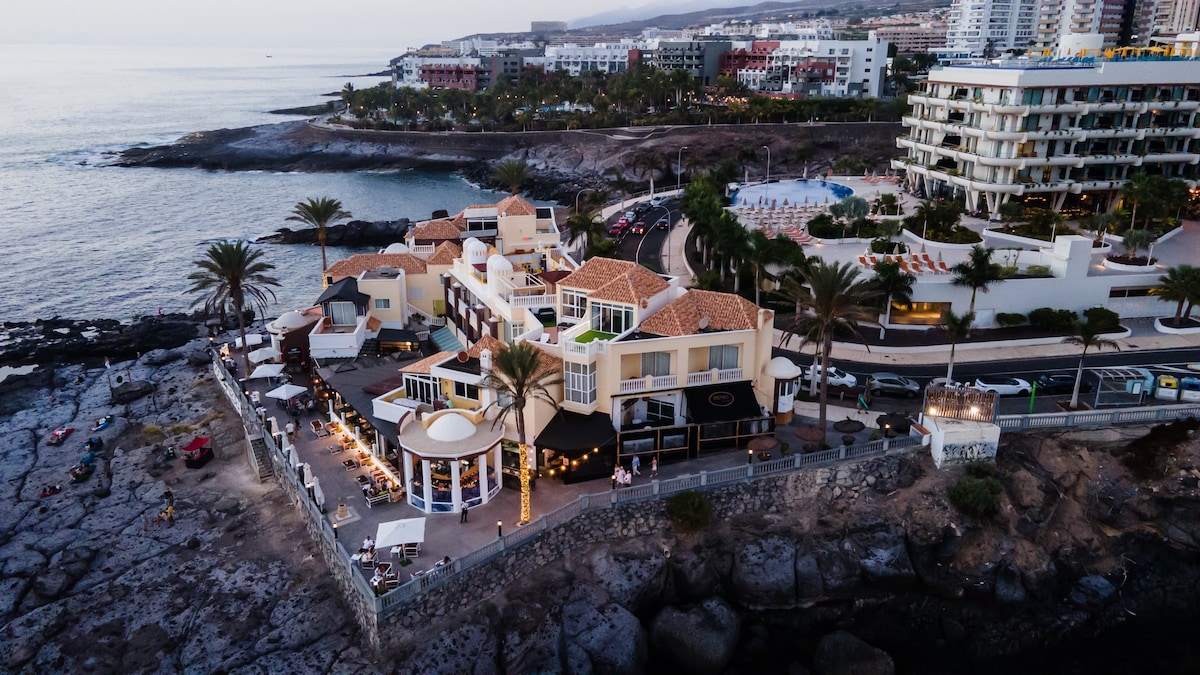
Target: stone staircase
[(370, 347), (262, 459)]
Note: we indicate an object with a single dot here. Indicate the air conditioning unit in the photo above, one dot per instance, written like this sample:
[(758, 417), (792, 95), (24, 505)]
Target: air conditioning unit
[(387, 272)]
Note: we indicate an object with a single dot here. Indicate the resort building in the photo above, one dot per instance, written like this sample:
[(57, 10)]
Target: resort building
[(810, 67), (919, 39), (601, 57), (977, 26), (1065, 132)]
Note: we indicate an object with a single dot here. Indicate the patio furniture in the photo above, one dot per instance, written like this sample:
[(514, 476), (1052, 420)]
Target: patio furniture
[(335, 449), (350, 464), (412, 550), (372, 500)]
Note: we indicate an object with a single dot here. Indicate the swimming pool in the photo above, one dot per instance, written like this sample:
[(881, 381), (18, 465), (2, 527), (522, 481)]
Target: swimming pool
[(798, 191)]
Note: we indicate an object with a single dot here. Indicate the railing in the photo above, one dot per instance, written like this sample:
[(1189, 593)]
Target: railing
[(535, 301), (422, 250), (649, 383), (1097, 418), (708, 377)]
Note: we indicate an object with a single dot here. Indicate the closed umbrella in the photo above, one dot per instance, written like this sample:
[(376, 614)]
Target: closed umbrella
[(286, 392), (264, 354), (268, 371)]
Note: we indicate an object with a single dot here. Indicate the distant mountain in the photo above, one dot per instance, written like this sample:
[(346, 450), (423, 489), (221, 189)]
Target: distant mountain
[(627, 14)]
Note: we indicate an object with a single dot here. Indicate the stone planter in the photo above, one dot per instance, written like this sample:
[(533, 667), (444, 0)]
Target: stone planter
[(343, 511), (1111, 264), (848, 426)]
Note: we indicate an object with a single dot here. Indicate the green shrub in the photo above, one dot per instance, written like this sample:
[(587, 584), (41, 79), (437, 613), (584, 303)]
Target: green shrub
[(823, 226), (1103, 318), (1052, 320), (689, 511), (1038, 270), (1008, 271), (1010, 319), (977, 493)]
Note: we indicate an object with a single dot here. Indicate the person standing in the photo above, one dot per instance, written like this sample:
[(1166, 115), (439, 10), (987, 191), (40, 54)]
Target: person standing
[(290, 428), (654, 468), (462, 516), (637, 464)]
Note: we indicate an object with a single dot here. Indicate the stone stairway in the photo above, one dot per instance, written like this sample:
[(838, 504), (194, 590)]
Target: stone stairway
[(262, 459), (370, 347)]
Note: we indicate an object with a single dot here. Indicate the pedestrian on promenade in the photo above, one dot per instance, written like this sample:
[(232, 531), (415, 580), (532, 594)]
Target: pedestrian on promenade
[(654, 468), (290, 428), (637, 463), (462, 516)]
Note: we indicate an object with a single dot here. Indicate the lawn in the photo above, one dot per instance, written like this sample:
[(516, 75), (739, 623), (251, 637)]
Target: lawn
[(591, 335)]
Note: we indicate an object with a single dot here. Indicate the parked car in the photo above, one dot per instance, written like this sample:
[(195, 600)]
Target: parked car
[(1003, 385), (659, 200), (891, 383), (663, 223), (1061, 383), (639, 227), (943, 382), (837, 377)]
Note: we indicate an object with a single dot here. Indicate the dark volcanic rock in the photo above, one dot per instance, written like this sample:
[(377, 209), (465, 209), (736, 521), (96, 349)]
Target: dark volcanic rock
[(353, 233), (841, 653), (698, 640), (66, 340)]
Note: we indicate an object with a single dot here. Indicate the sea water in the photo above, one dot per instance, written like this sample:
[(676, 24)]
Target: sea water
[(85, 240)]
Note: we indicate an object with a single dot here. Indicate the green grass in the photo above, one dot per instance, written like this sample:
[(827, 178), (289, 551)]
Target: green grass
[(592, 335)]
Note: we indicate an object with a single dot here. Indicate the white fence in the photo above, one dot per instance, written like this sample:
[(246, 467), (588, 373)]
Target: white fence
[(1098, 418)]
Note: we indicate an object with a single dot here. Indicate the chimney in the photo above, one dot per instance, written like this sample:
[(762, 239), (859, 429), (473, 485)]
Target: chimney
[(485, 361)]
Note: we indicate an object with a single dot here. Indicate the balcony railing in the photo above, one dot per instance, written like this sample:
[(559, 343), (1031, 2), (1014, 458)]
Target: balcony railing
[(714, 376), (649, 383)]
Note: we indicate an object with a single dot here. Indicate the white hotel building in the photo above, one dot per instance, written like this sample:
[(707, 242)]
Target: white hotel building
[(1067, 131)]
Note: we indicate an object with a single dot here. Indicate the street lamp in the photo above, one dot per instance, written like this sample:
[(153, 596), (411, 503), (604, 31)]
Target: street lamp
[(581, 191), (767, 192), (679, 167)]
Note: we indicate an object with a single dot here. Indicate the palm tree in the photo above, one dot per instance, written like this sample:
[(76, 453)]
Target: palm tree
[(511, 173), (977, 272), (1135, 240), (1138, 191), (1087, 335), (650, 164), (833, 298), (233, 274), (1179, 285), (586, 225), (620, 183), (895, 286), (518, 374), (957, 327), (348, 93), (319, 213)]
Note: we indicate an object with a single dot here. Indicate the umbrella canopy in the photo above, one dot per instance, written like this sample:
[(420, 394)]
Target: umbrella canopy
[(264, 354), (286, 391), (251, 340), (399, 532), (267, 370)]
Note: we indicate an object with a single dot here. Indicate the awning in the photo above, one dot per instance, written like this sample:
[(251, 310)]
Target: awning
[(197, 443), (269, 370), (286, 392), (569, 431), (722, 402), (264, 354), (400, 532)]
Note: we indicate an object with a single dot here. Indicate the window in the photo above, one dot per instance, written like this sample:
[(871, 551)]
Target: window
[(579, 382), (656, 364), (574, 304), (422, 389), (611, 318), (467, 391), (514, 329), (723, 357), (343, 313), (383, 303), (660, 411)]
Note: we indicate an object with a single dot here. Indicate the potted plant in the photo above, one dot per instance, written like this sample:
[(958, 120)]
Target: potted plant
[(342, 511)]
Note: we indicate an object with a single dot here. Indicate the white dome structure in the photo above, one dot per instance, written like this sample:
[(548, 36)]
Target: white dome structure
[(287, 321), (782, 368), (475, 251), (396, 248), (450, 427)]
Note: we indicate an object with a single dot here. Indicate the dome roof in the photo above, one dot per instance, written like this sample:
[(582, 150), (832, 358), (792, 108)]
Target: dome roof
[(782, 368), (396, 248), (289, 320), (498, 263), (450, 427)]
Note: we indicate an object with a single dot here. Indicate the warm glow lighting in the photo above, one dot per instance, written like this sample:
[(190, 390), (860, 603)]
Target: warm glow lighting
[(974, 410), (932, 411), (525, 488)]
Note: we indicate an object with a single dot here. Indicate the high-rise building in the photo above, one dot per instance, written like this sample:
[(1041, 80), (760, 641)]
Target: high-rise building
[(977, 26)]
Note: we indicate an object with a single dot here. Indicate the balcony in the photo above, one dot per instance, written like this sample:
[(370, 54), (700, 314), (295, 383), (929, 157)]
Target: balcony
[(583, 342), (714, 376), (330, 341), (649, 383)]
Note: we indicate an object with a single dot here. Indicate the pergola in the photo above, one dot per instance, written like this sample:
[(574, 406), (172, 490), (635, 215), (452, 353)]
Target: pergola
[(450, 460)]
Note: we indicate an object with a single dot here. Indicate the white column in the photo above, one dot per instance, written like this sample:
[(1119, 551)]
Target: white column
[(456, 484), (406, 467), (481, 467), (498, 464), (428, 487)]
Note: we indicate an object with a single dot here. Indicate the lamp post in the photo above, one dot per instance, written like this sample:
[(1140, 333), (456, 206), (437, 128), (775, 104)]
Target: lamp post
[(335, 532), (499, 528), (679, 167), (581, 191), (767, 192)]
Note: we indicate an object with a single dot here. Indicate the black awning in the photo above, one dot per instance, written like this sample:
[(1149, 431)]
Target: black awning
[(570, 431), (345, 289), (722, 402)]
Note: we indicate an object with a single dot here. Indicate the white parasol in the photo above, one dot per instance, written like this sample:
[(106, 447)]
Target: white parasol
[(264, 354), (286, 392), (251, 340), (267, 370), (400, 532)]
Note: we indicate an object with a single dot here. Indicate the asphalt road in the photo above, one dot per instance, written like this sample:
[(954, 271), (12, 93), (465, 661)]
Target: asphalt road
[(1156, 361), (644, 249)]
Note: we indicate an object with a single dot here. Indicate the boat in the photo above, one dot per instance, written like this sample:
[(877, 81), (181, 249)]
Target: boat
[(103, 423), (59, 435), (50, 491), (82, 472), (197, 453)]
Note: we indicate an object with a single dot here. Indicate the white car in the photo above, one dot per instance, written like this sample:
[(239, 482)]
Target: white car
[(837, 377), (1003, 386), (659, 200)]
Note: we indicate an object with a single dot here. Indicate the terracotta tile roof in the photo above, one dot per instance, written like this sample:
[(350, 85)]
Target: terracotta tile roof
[(423, 366), (549, 363), (437, 229), (725, 311), (486, 342), (615, 280), (362, 262), (515, 206), (444, 254)]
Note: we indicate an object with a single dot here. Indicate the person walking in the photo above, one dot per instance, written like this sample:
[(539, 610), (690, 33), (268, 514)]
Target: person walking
[(654, 468), (462, 516), (637, 463), (290, 428)]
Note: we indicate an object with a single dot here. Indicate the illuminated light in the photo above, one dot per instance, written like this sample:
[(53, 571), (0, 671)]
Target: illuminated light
[(932, 410), (974, 410)]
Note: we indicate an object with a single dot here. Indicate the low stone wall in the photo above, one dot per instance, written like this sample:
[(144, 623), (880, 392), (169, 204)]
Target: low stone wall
[(398, 629)]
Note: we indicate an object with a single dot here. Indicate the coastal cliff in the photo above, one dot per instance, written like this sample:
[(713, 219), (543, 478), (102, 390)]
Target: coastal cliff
[(576, 159)]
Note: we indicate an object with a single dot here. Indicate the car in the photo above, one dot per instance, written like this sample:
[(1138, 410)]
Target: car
[(659, 200), (641, 208), (1003, 385), (891, 383), (630, 216), (1061, 383), (639, 227), (618, 228), (943, 382), (663, 223), (837, 377)]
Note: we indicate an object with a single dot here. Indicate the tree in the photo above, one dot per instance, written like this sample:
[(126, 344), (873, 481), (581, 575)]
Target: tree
[(895, 286), (589, 226), (957, 328), (233, 274), (977, 272), (319, 213), (519, 375), (1138, 191), (832, 298), (1135, 240), (620, 183), (1179, 285), (650, 164), (511, 173), (348, 94), (1087, 335)]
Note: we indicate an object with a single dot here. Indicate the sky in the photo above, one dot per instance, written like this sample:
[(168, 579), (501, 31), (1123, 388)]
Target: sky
[(279, 23)]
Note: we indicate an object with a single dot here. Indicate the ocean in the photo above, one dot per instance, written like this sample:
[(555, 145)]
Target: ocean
[(83, 240)]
